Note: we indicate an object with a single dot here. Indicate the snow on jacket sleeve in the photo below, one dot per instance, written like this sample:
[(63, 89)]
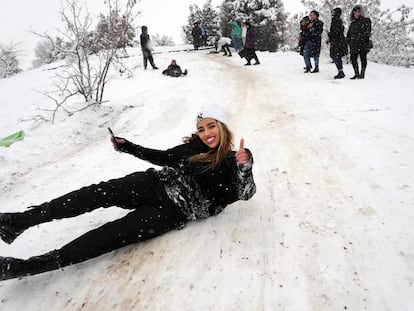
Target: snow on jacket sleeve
[(246, 187), (169, 157)]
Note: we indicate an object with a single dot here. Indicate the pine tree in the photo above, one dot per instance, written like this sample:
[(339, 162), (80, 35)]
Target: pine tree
[(268, 18), (227, 14), (206, 16)]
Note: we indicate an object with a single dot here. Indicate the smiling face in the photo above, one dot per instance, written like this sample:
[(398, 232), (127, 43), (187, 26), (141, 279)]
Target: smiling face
[(209, 132)]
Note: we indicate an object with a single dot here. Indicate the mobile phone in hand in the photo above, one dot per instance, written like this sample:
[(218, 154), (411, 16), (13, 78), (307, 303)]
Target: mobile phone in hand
[(110, 132)]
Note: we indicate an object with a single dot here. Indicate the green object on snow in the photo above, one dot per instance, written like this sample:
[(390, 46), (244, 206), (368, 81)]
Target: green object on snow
[(7, 141)]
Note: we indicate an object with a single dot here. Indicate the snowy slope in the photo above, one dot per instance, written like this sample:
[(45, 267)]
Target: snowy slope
[(330, 227)]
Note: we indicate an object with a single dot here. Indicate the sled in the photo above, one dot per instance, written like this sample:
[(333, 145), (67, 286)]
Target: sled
[(11, 139)]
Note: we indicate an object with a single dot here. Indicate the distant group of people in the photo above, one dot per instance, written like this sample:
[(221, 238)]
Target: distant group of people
[(357, 39), (243, 39), (199, 34)]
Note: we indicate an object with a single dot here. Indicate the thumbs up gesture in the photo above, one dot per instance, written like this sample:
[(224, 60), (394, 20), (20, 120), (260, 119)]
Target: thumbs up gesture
[(242, 156)]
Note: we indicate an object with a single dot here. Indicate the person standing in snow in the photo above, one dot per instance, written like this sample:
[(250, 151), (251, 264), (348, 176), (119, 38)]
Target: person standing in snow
[(339, 47), (198, 179), (244, 33), (203, 35), (250, 46), (303, 26), (313, 41), (358, 37), (173, 70), (236, 35), (196, 33), (146, 47)]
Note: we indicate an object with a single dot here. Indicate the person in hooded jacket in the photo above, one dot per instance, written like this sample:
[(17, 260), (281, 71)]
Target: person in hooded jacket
[(250, 46), (198, 179), (236, 35), (313, 41), (339, 47), (303, 25), (358, 38), (146, 47)]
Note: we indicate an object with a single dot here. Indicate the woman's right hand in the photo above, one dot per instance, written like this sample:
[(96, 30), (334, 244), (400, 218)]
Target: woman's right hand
[(116, 141)]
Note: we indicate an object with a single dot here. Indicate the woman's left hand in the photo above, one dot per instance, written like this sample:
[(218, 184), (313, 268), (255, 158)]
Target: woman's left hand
[(242, 156)]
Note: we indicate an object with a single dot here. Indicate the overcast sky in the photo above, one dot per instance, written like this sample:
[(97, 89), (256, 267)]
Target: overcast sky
[(162, 17)]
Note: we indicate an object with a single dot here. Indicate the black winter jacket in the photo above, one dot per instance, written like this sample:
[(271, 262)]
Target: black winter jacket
[(313, 34), (337, 39), (358, 35), (144, 39), (197, 194)]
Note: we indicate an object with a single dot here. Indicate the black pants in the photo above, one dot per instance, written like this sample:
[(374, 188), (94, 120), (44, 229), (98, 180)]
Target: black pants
[(226, 49), (251, 54), (153, 214), (147, 56), (354, 59)]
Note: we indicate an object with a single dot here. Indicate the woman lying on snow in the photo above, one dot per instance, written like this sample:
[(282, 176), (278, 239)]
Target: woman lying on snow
[(197, 180)]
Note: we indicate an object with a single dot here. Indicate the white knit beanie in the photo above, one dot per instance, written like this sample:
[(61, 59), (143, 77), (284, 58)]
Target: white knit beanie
[(213, 112)]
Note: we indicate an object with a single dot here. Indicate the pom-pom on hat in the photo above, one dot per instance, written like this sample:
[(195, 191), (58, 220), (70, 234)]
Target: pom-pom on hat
[(212, 112)]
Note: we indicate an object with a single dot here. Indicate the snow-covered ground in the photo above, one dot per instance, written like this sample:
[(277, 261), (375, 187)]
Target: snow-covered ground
[(330, 227)]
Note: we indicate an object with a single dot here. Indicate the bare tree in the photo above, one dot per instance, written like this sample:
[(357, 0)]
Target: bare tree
[(86, 68)]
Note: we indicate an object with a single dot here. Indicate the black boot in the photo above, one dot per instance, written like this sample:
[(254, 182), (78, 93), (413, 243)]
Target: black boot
[(307, 69), (362, 75), (340, 75), (316, 69), (14, 224), (356, 71), (11, 268)]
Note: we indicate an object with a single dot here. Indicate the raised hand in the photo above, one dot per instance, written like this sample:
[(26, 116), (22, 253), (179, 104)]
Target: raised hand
[(242, 156), (116, 141)]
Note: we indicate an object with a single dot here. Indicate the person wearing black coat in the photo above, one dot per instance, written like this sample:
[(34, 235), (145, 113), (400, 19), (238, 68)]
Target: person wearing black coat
[(358, 38), (197, 35), (174, 70), (313, 40), (146, 48), (339, 47), (198, 179)]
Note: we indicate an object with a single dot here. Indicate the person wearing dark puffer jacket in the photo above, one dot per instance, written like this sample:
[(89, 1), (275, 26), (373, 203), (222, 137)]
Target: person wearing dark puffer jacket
[(337, 40), (173, 70), (358, 38), (313, 41), (198, 179)]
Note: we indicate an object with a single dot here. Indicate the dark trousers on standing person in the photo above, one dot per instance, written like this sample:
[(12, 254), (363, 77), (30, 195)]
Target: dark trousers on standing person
[(364, 62), (337, 59), (147, 55), (251, 54), (152, 215)]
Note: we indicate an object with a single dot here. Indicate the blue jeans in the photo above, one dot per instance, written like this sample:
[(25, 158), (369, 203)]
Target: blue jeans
[(338, 62), (306, 55), (237, 43)]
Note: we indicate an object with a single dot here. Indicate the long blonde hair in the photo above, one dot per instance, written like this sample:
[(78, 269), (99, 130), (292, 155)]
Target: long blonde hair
[(213, 158)]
